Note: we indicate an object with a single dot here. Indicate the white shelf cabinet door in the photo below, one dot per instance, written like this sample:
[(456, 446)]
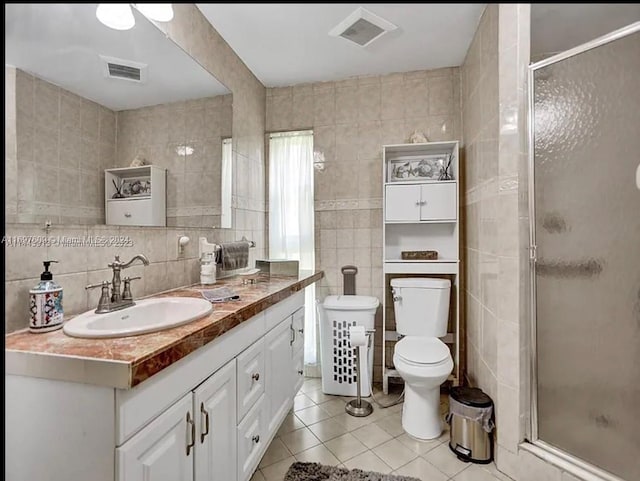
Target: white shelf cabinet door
[(159, 451), (215, 408), (278, 368), (438, 202), (402, 203)]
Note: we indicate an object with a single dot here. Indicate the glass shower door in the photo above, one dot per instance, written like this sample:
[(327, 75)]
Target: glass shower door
[(586, 121)]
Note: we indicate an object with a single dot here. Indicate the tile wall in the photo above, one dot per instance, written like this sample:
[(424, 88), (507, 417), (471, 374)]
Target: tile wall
[(63, 142), (186, 139), (351, 120), (480, 119), (494, 109)]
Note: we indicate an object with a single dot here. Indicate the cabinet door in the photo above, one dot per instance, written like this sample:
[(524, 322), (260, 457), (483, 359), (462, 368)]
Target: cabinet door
[(215, 408), (162, 451), (298, 330), (278, 363), (438, 202), (402, 203), (252, 438), (298, 371), (251, 377)]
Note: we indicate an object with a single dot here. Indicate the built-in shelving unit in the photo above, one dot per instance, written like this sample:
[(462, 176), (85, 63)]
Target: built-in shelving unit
[(136, 196), (421, 211)]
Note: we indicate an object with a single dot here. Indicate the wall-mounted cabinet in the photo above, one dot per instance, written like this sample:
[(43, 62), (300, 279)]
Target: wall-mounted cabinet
[(421, 212), (136, 196)]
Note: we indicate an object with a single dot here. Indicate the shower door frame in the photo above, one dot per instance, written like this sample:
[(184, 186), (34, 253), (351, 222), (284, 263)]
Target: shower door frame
[(532, 425)]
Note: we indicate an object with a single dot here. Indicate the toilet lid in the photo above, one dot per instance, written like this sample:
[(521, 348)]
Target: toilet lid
[(422, 350)]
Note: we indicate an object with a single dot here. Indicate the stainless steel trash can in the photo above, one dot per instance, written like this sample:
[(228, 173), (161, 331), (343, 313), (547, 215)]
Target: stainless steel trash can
[(471, 419)]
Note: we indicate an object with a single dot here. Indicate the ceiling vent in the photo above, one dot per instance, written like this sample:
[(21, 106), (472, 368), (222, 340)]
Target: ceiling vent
[(362, 27), (118, 68)]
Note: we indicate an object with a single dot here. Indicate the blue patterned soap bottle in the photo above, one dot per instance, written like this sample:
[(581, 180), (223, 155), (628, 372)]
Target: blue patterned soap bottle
[(45, 305)]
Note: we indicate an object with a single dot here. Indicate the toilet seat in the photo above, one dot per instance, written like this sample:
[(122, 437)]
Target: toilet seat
[(422, 351)]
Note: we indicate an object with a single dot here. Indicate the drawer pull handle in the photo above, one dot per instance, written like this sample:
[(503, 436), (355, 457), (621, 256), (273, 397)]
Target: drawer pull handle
[(256, 438), (191, 431), (256, 376), (293, 335), (205, 431), (301, 372), (127, 214)]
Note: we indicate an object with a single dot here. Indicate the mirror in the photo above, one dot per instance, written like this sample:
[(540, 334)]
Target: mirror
[(86, 98)]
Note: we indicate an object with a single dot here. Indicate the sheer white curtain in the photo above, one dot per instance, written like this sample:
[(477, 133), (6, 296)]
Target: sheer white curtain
[(291, 222)]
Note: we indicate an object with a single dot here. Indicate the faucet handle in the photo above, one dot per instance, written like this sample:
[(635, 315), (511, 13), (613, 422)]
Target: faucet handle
[(126, 290), (103, 303), (101, 284)]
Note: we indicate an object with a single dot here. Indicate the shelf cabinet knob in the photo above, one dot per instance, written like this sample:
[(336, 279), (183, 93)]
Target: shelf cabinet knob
[(256, 376), (127, 214)]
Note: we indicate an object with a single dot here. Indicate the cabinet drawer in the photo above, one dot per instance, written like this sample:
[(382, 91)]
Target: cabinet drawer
[(298, 330), (298, 370), (252, 438), (129, 212), (251, 376), (438, 202)]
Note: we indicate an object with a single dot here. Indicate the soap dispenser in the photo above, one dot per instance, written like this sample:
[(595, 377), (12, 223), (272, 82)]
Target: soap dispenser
[(45, 307)]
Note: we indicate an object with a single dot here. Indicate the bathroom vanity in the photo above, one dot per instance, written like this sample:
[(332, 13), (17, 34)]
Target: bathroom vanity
[(200, 401)]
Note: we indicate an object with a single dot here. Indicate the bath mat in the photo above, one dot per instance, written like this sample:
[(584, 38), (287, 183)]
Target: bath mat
[(320, 472)]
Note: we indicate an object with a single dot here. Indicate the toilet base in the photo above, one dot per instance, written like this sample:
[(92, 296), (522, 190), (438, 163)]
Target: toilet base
[(421, 412)]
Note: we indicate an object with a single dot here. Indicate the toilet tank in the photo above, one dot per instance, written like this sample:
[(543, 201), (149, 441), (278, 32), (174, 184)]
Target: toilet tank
[(421, 306)]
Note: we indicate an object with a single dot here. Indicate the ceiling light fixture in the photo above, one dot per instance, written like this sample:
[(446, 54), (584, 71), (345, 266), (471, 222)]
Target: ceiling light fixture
[(116, 15), (120, 17), (160, 12)]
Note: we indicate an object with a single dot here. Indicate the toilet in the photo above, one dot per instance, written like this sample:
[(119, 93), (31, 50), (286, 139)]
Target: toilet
[(424, 362)]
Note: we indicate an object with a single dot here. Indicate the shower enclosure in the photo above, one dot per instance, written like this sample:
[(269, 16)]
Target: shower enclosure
[(584, 197)]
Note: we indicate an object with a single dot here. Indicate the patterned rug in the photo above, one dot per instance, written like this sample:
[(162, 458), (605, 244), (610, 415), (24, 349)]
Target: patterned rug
[(320, 472)]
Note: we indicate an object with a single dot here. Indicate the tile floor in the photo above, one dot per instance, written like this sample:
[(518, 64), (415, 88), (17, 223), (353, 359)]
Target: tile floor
[(318, 430)]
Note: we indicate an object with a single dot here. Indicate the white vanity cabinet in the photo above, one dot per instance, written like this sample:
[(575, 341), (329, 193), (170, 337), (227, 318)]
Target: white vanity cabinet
[(208, 417)]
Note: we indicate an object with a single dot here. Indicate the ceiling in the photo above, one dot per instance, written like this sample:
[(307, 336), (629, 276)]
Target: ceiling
[(60, 43), (287, 44), (556, 27)]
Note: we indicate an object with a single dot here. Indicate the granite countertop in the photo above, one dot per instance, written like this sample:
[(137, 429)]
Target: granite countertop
[(127, 361)]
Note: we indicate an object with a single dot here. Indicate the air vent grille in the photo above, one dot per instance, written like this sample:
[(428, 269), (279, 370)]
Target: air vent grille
[(362, 27), (124, 71), (120, 69), (362, 32)]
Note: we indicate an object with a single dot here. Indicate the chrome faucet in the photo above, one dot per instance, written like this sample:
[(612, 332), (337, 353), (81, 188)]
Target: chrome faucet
[(117, 300)]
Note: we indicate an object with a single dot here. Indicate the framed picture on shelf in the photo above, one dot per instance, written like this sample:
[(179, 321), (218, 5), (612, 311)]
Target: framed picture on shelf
[(429, 167)]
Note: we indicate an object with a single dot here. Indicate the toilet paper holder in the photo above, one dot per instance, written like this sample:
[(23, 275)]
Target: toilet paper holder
[(358, 337)]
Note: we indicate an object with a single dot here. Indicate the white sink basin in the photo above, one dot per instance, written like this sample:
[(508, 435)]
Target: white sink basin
[(147, 315)]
